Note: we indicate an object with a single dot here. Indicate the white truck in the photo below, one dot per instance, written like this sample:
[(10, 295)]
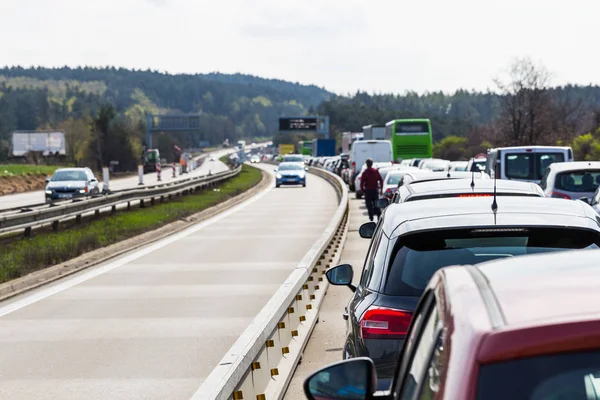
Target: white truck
[(374, 132), (380, 151), (524, 163)]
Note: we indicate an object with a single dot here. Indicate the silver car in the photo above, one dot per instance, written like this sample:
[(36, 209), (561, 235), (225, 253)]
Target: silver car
[(70, 183), (571, 180)]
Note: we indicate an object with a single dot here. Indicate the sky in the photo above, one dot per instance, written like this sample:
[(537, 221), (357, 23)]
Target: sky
[(343, 45)]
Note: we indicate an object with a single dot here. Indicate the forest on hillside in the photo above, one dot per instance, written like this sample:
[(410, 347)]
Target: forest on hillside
[(103, 110), (230, 106)]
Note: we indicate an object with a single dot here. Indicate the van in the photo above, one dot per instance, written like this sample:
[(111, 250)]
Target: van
[(524, 163), (377, 150)]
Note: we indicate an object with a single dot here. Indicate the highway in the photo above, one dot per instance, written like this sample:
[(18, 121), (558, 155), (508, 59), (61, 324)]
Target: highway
[(153, 323), (36, 197)]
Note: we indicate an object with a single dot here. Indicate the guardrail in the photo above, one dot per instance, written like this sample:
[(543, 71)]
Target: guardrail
[(261, 362), (26, 220)]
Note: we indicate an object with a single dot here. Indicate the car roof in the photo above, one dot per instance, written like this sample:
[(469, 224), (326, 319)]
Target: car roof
[(73, 169), (574, 166), (427, 175), (532, 148), (290, 163), (524, 306), (453, 186), (464, 213)]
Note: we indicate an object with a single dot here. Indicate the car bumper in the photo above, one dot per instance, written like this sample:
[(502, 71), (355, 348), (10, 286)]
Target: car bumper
[(65, 196), (385, 354), (291, 181)]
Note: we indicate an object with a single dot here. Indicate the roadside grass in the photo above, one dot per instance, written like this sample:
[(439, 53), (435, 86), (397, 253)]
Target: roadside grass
[(46, 249), (26, 169)]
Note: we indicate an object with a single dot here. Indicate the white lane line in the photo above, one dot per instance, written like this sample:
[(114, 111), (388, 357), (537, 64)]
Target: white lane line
[(76, 280)]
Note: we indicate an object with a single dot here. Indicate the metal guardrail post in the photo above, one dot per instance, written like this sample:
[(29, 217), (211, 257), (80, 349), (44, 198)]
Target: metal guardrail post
[(105, 180), (141, 174)]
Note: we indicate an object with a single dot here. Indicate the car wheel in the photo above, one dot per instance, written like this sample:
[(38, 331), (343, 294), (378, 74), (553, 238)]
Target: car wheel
[(277, 186), (304, 184)]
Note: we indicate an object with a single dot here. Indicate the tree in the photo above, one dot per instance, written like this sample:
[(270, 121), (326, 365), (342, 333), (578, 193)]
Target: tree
[(101, 127), (78, 134), (526, 105), (451, 148)]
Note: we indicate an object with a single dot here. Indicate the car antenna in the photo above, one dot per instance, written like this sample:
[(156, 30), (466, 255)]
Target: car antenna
[(472, 179), (494, 203)]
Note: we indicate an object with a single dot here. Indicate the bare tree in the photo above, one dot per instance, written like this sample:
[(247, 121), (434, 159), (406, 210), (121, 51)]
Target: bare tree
[(527, 105)]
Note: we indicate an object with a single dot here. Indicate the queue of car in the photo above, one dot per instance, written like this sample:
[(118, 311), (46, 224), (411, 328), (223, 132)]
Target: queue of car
[(458, 298)]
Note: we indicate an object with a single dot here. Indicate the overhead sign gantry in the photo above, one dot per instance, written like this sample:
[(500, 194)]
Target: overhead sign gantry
[(307, 124)]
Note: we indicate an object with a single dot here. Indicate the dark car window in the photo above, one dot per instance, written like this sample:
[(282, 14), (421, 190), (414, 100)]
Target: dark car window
[(417, 257), (369, 261), (530, 165), (376, 269), (578, 181), (75, 175), (292, 159), (557, 376)]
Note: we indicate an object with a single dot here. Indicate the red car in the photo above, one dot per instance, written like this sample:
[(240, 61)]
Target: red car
[(518, 328)]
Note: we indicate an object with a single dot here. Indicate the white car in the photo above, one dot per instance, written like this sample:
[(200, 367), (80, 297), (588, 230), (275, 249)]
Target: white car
[(435, 165), (255, 159), (393, 178), (459, 165), (358, 192), (571, 180), (211, 157)]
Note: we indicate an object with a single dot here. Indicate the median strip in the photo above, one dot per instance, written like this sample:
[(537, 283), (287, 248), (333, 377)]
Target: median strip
[(51, 248)]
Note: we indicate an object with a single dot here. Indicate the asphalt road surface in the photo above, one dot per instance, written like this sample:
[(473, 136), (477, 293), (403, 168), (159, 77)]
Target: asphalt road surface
[(153, 323), (36, 197)]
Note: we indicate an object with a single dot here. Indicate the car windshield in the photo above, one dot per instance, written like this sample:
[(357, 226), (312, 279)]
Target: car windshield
[(478, 165), (530, 166), (578, 181), (290, 167), (74, 175), (419, 256), (292, 159), (573, 375)]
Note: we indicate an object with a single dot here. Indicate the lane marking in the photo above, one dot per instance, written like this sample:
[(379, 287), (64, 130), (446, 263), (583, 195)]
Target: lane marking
[(42, 294)]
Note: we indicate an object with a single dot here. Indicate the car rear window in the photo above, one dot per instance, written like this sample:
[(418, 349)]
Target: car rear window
[(417, 257), (557, 376), (578, 181), (530, 166), (292, 159)]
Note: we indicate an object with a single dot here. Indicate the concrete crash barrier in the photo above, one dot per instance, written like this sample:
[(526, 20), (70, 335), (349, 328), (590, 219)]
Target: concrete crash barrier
[(27, 218), (260, 364)]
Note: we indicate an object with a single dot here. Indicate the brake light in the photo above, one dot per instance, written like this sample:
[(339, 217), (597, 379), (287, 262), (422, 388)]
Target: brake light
[(475, 195), (389, 193), (384, 323), (559, 195), (529, 150), (353, 163)]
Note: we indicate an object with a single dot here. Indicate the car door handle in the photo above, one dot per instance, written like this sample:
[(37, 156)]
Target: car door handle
[(345, 316)]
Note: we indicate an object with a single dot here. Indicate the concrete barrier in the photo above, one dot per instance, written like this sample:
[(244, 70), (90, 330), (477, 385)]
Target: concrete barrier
[(260, 364)]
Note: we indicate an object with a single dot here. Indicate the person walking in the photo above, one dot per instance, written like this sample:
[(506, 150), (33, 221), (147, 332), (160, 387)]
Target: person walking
[(371, 185)]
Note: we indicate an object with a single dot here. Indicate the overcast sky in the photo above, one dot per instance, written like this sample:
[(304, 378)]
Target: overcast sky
[(342, 45)]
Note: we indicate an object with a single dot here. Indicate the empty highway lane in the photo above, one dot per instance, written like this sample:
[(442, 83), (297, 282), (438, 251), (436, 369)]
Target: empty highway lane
[(153, 323)]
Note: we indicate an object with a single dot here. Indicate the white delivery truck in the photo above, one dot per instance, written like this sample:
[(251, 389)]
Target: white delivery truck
[(524, 163), (374, 132), (380, 151)]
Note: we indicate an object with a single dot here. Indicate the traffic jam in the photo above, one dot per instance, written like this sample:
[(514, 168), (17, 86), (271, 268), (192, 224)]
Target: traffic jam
[(479, 278)]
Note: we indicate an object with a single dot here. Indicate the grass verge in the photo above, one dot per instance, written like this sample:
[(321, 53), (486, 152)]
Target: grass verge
[(28, 255), (26, 169)]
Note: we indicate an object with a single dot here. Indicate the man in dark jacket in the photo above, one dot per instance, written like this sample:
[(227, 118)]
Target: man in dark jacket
[(371, 185)]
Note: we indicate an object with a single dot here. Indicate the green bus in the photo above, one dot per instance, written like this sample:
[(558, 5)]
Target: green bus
[(411, 138)]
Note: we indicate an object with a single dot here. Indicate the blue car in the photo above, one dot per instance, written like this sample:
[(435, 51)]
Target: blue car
[(290, 173)]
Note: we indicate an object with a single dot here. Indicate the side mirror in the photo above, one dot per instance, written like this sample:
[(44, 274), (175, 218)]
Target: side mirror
[(585, 200), (306, 168), (367, 230), (47, 180), (93, 180), (352, 379), (275, 169), (341, 276), (383, 202)]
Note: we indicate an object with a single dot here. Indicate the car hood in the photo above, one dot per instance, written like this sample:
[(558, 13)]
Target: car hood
[(292, 173), (66, 184)]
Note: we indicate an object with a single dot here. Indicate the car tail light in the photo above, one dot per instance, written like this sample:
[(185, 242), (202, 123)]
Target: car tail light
[(384, 323), (389, 193), (86, 189), (559, 195)]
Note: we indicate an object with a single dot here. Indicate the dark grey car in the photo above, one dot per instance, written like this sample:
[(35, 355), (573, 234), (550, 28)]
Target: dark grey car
[(70, 183), (414, 239)]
